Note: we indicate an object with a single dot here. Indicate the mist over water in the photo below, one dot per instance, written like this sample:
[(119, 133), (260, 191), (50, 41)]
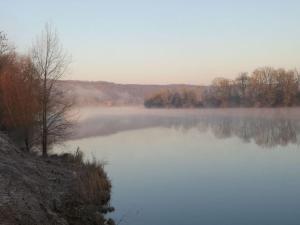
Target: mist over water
[(206, 166), (265, 127)]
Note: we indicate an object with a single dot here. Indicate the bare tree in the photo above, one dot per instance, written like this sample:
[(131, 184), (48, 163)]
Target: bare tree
[(263, 86), (223, 88), (242, 82), (51, 62), (4, 59), (5, 50), (4, 47)]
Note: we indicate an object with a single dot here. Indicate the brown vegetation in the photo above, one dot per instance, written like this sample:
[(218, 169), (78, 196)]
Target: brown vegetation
[(90, 193), (33, 110), (19, 98)]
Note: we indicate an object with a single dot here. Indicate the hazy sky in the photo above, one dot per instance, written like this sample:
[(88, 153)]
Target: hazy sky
[(162, 41)]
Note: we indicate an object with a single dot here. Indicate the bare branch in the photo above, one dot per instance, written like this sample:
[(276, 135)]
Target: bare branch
[(51, 62)]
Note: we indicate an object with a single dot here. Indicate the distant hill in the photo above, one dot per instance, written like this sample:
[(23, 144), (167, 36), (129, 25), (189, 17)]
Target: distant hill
[(88, 93)]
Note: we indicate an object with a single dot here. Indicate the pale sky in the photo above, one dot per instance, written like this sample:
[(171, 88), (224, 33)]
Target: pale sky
[(162, 41)]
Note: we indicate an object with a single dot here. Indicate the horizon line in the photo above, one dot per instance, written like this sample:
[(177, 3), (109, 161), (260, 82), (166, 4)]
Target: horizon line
[(149, 84)]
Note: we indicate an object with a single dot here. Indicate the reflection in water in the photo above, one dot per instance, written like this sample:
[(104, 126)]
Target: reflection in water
[(266, 127), (187, 167), (266, 132)]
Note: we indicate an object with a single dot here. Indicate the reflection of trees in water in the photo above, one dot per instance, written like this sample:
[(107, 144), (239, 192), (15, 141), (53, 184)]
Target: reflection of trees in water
[(222, 128), (277, 132), (266, 131)]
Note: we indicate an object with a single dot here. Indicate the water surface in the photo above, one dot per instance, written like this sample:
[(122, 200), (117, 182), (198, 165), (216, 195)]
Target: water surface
[(187, 167)]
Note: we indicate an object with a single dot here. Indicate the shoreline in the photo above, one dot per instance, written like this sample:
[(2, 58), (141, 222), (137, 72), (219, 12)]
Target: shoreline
[(54, 190)]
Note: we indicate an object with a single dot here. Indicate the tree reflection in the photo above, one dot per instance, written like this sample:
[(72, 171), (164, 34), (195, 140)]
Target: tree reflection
[(266, 132), (266, 128)]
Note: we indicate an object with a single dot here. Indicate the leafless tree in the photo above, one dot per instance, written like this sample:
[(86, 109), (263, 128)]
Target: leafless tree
[(4, 47), (5, 50), (242, 81), (51, 62), (223, 88), (263, 86)]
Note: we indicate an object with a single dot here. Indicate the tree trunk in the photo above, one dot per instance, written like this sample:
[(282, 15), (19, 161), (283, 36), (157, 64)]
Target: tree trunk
[(27, 144), (44, 121), (44, 135)]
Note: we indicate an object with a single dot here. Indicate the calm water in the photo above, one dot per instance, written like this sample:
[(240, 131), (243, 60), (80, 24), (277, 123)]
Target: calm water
[(193, 167)]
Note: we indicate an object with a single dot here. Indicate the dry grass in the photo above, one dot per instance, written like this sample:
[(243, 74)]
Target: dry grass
[(94, 185), (90, 192), (76, 158)]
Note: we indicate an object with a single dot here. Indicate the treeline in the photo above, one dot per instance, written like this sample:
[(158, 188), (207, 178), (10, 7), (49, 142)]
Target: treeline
[(265, 87), (173, 99), (32, 111)]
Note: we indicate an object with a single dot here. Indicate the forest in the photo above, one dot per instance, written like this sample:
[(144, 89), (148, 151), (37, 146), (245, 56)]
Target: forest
[(264, 87)]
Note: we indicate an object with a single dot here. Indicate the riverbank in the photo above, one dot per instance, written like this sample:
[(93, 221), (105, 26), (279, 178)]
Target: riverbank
[(57, 190)]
